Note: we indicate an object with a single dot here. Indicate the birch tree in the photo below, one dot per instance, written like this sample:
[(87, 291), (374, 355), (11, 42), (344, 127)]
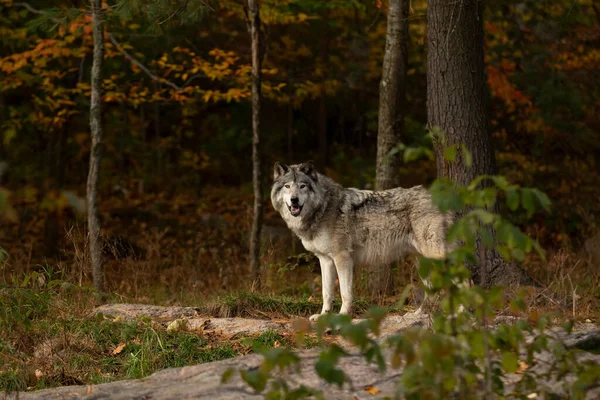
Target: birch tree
[(95, 244)]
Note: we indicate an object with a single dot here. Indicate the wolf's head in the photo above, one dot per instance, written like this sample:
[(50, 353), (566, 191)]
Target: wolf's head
[(295, 188)]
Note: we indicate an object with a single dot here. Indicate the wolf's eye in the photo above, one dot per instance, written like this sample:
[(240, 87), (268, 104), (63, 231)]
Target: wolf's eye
[(287, 186), (302, 186)]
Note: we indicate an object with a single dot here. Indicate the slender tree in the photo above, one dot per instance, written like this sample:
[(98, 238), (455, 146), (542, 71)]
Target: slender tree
[(457, 109), (254, 28), (392, 100), (392, 95), (95, 245)]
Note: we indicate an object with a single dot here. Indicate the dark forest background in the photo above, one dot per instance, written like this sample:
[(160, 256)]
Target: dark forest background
[(175, 186)]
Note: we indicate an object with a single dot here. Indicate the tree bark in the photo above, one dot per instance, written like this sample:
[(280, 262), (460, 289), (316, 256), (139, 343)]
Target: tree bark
[(392, 101), (457, 104), (255, 27), (95, 244), (322, 118), (457, 110), (392, 95)]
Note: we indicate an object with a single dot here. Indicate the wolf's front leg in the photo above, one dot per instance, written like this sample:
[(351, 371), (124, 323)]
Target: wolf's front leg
[(344, 265), (328, 283)]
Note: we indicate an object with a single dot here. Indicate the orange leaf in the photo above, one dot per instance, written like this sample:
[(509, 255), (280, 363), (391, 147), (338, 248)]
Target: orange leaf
[(118, 349), (372, 390)]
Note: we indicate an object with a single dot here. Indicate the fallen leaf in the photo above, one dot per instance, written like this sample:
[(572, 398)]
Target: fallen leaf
[(522, 367), (39, 373), (372, 390), (177, 325), (276, 343), (118, 349)]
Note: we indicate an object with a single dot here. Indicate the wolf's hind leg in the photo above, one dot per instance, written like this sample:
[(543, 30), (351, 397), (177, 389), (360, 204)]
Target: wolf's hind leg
[(328, 285)]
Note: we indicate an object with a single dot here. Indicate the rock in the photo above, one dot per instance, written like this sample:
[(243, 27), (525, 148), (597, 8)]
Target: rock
[(204, 381), (133, 311)]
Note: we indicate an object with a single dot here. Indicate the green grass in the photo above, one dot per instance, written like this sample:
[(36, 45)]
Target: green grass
[(52, 341), (256, 305), (48, 331)]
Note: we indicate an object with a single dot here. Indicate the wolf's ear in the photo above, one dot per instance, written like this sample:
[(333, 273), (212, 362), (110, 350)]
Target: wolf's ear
[(279, 170), (309, 169)]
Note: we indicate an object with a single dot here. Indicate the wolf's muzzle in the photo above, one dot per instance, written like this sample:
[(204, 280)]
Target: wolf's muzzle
[(295, 208)]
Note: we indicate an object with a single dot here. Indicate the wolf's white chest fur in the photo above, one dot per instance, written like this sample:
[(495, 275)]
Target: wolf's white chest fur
[(320, 244)]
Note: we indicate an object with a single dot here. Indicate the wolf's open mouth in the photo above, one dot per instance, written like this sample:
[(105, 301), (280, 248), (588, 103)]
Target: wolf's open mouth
[(295, 209)]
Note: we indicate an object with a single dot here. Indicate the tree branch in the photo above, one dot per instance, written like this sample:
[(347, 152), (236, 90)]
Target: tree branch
[(185, 3), (134, 60)]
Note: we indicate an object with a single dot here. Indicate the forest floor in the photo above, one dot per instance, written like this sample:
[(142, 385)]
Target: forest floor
[(179, 250)]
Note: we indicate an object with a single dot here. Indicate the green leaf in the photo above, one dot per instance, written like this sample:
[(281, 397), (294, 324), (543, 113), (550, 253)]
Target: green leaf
[(467, 156), (542, 199), (475, 182), (9, 135), (412, 154), (510, 362), (500, 182), (255, 379), (486, 237), (450, 153), (527, 201), (518, 254), (477, 342), (425, 267), (326, 369), (227, 375), (504, 252), (484, 216), (512, 198)]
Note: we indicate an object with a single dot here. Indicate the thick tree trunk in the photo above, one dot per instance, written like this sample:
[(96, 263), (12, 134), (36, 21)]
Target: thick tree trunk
[(254, 17), (456, 93), (457, 109), (95, 244), (392, 100), (392, 95)]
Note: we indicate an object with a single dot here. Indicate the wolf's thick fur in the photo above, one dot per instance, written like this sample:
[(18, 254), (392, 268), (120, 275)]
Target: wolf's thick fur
[(344, 227)]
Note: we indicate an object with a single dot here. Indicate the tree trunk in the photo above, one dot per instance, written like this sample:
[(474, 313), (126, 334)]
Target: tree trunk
[(392, 95), (254, 17), (3, 163), (322, 118), (95, 244), (392, 100), (457, 109)]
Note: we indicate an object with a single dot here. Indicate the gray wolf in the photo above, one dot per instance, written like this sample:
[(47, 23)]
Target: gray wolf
[(346, 227)]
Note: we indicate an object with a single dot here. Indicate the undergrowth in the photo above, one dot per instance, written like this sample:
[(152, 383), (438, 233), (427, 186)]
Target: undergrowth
[(50, 338)]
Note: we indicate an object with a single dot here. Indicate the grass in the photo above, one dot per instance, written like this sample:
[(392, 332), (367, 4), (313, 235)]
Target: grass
[(256, 305), (52, 340)]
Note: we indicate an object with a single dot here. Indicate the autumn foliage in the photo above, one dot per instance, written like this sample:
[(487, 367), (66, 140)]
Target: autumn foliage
[(177, 112)]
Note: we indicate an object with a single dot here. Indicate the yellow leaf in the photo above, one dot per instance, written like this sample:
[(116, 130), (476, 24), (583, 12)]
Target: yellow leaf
[(372, 390), (522, 367), (118, 349)]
